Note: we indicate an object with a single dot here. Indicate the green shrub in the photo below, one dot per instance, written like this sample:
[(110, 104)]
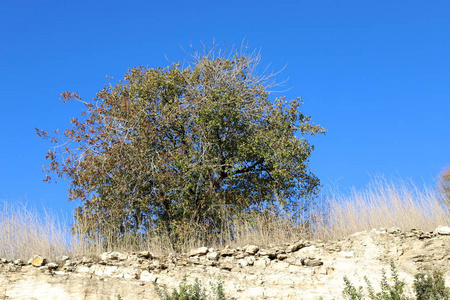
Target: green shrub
[(426, 287), (190, 291), (350, 292), (429, 287), (388, 292)]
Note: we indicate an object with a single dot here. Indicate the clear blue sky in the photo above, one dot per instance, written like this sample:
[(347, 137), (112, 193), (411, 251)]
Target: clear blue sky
[(374, 73)]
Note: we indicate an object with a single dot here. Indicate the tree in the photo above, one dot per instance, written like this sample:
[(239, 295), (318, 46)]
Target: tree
[(171, 147)]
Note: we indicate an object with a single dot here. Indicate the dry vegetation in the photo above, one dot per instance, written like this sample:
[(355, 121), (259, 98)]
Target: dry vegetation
[(26, 232), (383, 204)]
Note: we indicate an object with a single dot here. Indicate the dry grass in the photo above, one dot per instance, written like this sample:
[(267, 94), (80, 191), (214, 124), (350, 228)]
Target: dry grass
[(263, 227), (384, 204), (25, 232)]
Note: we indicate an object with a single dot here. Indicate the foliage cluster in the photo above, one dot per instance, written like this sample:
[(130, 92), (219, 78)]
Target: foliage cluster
[(194, 291), (172, 148), (426, 287)]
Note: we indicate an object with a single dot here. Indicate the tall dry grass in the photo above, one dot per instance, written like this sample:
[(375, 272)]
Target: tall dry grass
[(384, 203), (263, 226), (25, 232)]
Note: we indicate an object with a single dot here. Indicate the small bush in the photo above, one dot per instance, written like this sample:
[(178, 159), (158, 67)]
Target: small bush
[(350, 292), (428, 286), (388, 292), (190, 291)]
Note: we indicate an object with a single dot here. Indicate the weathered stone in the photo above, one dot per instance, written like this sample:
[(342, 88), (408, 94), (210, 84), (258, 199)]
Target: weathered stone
[(110, 256), (443, 230), (295, 247), (242, 262), (251, 249), (272, 254), (227, 251), (261, 263), (250, 260), (38, 261), (394, 230), (312, 262), (199, 251), (212, 255), (281, 256)]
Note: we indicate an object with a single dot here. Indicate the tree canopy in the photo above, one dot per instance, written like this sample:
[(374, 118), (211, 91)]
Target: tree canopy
[(168, 147)]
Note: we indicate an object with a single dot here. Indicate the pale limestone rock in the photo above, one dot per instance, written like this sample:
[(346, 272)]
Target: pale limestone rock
[(443, 230), (111, 256), (261, 263), (250, 260), (394, 230), (251, 249), (295, 247), (83, 269), (242, 262), (199, 251), (227, 251), (272, 254), (281, 256), (212, 255)]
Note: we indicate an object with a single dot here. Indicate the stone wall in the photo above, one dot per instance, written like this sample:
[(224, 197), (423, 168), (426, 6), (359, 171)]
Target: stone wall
[(303, 270)]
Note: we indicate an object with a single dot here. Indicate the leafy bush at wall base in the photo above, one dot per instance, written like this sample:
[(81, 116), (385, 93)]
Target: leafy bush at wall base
[(388, 292), (431, 286), (426, 287), (194, 291)]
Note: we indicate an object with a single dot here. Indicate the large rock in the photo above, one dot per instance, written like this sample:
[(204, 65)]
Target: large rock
[(251, 249), (38, 261), (443, 230)]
